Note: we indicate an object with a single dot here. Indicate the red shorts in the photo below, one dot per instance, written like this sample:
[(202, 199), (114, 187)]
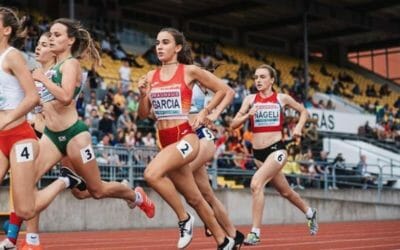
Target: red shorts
[(11, 136), (171, 135)]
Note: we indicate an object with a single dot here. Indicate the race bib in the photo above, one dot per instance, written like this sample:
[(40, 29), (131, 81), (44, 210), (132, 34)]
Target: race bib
[(184, 148), (166, 101), (44, 93), (267, 114)]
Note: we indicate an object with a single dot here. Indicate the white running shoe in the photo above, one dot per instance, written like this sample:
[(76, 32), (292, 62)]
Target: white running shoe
[(185, 232), (7, 245), (313, 223)]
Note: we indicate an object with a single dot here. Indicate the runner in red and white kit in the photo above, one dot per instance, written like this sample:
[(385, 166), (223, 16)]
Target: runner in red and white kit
[(18, 143), (266, 114)]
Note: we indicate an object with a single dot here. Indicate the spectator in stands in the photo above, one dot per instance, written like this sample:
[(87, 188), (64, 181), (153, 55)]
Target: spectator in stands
[(324, 71), (106, 123), (119, 99), (265, 112), (323, 166), (91, 106), (370, 91), (313, 83), (80, 105), (119, 53), (149, 140), (397, 103), (106, 45), (124, 121), (310, 133), (330, 105), (150, 55), (292, 167), (343, 76), (94, 78), (384, 90), (321, 104), (125, 76), (362, 171), (339, 161), (356, 90)]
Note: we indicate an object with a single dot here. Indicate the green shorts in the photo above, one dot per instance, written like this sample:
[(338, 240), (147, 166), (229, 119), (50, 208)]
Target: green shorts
[(61, 138)]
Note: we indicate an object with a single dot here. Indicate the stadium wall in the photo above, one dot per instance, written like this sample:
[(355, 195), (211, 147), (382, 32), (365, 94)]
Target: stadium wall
[(69, 214)]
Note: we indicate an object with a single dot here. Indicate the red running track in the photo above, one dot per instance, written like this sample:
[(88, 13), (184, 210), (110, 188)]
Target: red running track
[(347, 235)]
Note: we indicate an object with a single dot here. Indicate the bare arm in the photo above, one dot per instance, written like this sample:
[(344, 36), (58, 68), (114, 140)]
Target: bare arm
[(71, 73), (289, 101), (211, 82), (19, 68), (144, 108), (243, 114), (226, 100)]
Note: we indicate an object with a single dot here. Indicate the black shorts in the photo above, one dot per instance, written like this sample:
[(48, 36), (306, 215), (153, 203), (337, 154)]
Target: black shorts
[(262, 154)]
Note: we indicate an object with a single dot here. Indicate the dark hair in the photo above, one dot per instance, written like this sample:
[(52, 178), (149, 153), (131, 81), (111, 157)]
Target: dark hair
[(83, 40), (10, 19), (185, 54), (271, 70)]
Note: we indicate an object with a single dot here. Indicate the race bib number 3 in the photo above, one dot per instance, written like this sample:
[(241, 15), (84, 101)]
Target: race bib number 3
[(87, 154), (24, 152), (184, 148)]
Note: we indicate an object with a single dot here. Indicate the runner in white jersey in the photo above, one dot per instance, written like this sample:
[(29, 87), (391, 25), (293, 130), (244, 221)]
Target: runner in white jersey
[(18, 142), (206, 153)]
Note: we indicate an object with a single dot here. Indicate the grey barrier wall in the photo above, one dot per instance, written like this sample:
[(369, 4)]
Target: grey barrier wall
[(69, 214)]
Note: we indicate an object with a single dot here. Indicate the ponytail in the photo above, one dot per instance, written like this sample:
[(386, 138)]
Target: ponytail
[(83, 40)]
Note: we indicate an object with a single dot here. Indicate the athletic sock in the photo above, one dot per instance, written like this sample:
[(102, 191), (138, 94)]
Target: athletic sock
[(32, 239), (14, 227), (256, 231), (65, 180), (309, 213), (138, 198)]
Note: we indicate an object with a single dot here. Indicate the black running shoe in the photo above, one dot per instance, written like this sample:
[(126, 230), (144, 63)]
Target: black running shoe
[(75, 181), (239, 238)]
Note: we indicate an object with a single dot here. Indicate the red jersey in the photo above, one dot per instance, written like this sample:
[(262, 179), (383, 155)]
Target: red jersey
[(269, 114), (171, 99)]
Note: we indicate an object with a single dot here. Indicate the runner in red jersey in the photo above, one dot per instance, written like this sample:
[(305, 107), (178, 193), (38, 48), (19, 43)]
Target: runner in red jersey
[(265, 111)]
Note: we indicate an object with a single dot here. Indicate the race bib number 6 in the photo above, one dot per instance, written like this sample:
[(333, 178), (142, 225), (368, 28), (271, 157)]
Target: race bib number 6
[(280, 157)]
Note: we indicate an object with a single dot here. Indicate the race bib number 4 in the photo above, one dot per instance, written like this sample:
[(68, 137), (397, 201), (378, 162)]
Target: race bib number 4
[(24, 152), (184, 148)]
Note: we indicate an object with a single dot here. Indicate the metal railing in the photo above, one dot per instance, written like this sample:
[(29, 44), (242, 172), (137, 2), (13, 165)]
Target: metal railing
[(118, 163)]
